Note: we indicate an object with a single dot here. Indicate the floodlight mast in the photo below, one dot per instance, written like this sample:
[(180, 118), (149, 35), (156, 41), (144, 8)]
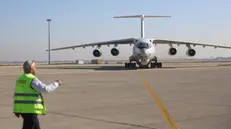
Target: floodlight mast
[(49, 52), (142, 20)]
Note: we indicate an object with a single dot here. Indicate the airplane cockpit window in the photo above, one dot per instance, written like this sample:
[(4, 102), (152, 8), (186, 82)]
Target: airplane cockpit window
[(142, 45)]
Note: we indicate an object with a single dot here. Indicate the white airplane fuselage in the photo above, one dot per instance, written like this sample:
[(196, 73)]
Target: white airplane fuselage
[(143, 52)]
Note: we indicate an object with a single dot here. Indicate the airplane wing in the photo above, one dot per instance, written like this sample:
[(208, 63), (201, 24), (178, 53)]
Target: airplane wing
[(170, 42), (98, 44)]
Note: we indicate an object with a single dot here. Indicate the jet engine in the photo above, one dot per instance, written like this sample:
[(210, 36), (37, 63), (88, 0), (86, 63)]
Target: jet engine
[(114, 51), (190, 52), (97, 53), (172, 51)]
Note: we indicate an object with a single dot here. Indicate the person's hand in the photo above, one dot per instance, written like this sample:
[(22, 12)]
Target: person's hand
[(59, 81)]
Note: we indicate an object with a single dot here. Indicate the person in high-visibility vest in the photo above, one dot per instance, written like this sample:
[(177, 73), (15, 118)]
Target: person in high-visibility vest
[(28, 99)]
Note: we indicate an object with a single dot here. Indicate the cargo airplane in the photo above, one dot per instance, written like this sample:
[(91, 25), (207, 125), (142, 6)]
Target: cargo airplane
[(143, 53)]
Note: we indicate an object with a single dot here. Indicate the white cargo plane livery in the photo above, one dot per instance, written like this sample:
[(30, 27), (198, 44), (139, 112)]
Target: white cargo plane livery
[(143, 53)]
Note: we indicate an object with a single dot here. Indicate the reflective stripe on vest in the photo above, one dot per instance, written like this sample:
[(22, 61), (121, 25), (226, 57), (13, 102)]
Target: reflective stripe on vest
[(27, 101), (27, 95)]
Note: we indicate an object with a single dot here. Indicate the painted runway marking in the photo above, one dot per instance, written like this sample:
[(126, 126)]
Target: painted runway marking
[(164, 112)]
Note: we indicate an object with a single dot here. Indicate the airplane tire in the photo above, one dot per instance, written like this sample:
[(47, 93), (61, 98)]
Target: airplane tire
[(159, 65), (130, 65), (126, 65), (156, 65), (133, 65), (153, 65), (146, 66)]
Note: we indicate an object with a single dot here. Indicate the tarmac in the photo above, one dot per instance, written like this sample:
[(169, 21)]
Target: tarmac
[(196, 95)]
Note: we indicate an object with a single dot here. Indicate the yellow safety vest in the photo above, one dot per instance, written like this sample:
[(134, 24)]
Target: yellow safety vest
[(26, 99)]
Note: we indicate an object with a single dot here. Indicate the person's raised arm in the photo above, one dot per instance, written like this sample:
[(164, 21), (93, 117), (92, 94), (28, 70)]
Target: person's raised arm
[(44, 88)]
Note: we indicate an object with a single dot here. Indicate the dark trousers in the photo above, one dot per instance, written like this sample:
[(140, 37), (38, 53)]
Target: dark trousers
[(30, 121)]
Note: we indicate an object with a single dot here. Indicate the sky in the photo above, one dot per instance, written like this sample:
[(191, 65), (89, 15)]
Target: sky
[(24, 30)]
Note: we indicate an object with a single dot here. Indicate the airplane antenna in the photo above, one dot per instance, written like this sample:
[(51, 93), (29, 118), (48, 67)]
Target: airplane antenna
[(142, 20)]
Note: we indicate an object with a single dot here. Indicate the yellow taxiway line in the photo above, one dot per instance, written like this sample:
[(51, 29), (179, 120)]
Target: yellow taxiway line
[(164, 112)]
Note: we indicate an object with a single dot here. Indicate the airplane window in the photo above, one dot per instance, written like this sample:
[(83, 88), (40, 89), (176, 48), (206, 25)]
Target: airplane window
[(142, 45)]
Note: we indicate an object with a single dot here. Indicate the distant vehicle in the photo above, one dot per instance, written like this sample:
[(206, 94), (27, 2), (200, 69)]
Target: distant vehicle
[(143, 53)]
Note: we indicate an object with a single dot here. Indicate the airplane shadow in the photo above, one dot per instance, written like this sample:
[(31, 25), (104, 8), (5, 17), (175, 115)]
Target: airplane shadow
[(122, 68), (102, 68)]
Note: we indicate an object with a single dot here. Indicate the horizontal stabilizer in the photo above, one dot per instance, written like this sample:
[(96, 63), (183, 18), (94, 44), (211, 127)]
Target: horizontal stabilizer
[(140, 16)]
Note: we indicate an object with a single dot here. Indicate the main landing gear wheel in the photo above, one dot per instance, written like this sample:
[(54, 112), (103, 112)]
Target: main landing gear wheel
[(156, 65), (130, 65)]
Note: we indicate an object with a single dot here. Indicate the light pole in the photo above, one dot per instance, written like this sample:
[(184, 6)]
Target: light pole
[(49, 52)]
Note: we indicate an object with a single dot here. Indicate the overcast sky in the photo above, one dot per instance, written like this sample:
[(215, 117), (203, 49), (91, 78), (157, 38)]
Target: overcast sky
[(24, 27)]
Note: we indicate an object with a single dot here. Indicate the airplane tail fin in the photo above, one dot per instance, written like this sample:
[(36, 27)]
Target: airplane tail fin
[(142, 20)]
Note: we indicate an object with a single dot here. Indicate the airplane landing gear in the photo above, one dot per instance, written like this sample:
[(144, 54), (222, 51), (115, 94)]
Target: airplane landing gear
[(156, 64), (130, 65), (153, 64)]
